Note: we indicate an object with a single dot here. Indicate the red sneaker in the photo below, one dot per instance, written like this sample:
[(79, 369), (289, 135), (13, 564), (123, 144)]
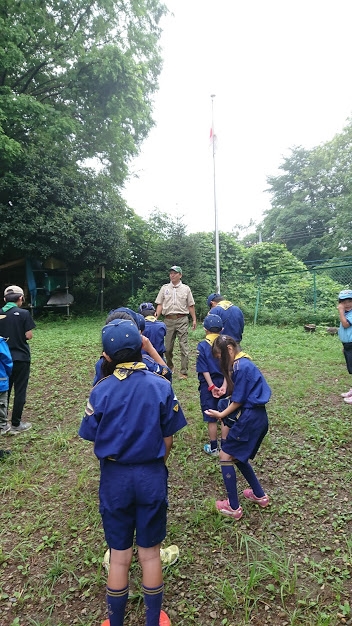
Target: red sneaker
[(164, 619), (223, 506), (263, 501)]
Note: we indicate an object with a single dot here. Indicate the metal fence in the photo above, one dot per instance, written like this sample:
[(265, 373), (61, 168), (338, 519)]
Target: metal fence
[(311, 292)]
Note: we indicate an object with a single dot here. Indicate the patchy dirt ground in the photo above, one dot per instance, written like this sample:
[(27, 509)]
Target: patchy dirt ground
[(289, 564)]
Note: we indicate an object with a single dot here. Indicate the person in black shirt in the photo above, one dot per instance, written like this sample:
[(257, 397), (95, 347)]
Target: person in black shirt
[(17, 324)]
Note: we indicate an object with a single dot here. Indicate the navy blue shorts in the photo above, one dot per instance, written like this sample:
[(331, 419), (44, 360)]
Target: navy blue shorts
[(133, 499), (207, 401), (246, 435)]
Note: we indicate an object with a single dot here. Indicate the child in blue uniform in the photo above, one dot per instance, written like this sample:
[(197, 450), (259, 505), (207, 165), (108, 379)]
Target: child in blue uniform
[(151, 358), (155, 330), (131, 417), (6, 365), (231, 315), (246, 415), (345, 333), (211, 381)]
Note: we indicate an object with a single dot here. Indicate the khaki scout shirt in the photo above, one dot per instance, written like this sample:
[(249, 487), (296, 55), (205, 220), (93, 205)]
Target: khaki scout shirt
[(175, 300)]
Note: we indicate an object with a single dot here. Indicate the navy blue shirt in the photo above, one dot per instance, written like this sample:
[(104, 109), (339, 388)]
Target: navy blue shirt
[(129, 418), (232, 319), (155, 331)]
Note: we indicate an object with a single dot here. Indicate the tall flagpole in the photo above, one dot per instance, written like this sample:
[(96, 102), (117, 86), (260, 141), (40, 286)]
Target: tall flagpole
[(217, 256)]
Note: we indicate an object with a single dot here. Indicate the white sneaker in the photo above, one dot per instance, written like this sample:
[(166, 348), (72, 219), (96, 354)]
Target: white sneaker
[(347, 394), (21, 428), (5, 429), (348, 400)]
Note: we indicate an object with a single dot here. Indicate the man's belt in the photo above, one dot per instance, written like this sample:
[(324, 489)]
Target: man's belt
[(176, 316)]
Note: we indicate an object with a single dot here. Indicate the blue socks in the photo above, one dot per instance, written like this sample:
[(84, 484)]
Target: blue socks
[(214, 444), (116, 600), (153, 597), (248, 472), (230, 482)]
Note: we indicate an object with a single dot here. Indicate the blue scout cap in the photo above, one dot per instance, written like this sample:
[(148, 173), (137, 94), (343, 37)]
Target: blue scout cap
[(120, 335), (212, 297), (346, 294), (125, 309), (212, 321), (141, 322), (146, 306)]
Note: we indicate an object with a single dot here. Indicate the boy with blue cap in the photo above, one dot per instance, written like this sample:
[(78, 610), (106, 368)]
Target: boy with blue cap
[(231, 315), (131, 417), (211, 382), (155, 330), (344, 308)]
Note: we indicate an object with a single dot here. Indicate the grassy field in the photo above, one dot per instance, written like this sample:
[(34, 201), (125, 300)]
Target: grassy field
[(289, 564)]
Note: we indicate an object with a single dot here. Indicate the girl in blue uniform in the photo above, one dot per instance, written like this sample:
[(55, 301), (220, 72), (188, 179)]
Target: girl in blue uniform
[(246, 415), (131, 416)]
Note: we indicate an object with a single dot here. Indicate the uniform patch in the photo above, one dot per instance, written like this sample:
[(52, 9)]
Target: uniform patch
[(89, 409)]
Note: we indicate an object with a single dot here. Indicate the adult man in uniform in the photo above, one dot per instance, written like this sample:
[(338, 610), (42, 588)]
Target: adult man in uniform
[(175, 302), (231, 315), (17, 324)]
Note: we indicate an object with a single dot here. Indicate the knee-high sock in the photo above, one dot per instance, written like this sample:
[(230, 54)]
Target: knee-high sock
[(153, 597), (116, 600), (230, 482), (248, 472)]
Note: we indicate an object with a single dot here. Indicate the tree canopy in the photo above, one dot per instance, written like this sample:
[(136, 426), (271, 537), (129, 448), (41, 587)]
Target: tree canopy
[(81, 72), (77, 78), (311, 200)]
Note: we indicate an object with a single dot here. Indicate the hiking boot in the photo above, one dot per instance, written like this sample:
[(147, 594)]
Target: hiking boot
[(207, 449), (16, 430), (347, 394), (223, 506), (263, 501), (5, 429)]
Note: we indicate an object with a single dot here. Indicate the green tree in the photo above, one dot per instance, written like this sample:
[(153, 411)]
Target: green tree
[(48, 207), (82, 71), (311, 200)]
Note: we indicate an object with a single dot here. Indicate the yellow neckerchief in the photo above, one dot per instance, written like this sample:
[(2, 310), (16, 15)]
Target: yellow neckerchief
[(151, 318), (242, 355), (123, 370), (211, 338), (225, 304)]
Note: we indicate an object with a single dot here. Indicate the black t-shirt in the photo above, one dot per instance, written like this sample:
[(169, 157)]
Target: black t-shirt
[(13, 325)]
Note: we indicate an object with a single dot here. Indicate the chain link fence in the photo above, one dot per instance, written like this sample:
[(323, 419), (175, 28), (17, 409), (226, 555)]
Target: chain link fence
[(304, 296)]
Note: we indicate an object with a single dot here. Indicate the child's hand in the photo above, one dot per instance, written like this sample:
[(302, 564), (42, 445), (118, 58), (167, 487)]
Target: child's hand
[(215, 392), (213, 413), (222, 390)]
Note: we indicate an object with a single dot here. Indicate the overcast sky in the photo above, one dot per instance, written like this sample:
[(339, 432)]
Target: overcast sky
[(281, 74)]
